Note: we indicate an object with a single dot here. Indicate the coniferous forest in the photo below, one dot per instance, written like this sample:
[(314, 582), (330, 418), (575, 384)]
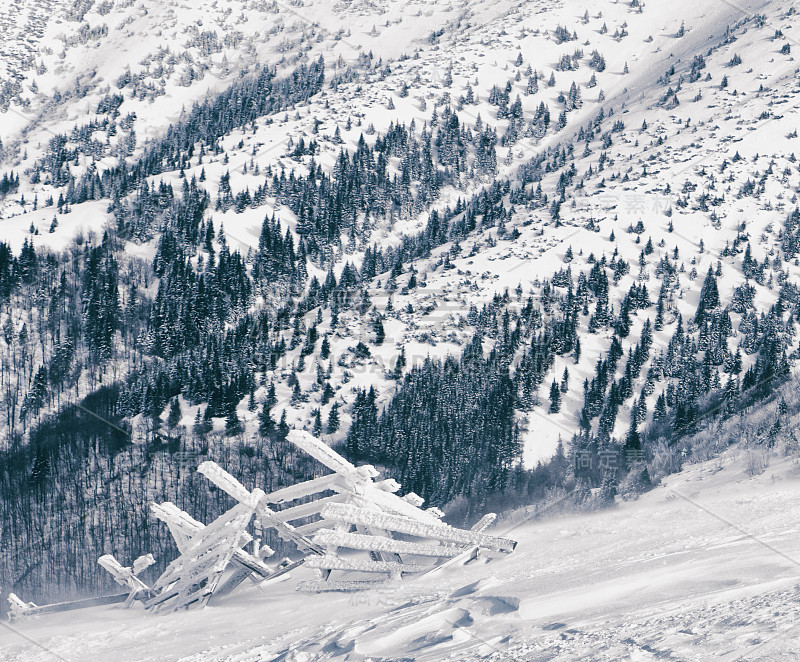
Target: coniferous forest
[(105, 350)]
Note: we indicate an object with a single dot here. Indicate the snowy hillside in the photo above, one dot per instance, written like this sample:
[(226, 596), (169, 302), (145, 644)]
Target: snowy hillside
[(623, 174), (485, 246), (703, 567)]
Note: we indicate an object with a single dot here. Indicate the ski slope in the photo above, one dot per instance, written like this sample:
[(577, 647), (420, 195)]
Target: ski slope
[(706, 566)]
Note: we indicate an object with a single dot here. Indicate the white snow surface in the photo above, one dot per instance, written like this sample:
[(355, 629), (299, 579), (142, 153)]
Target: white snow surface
[(706, 566)]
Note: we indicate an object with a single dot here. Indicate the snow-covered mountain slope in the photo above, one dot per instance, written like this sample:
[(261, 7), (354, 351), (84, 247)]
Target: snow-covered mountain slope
[(614, 186), (635, 173), (703, 567), (168, 55)]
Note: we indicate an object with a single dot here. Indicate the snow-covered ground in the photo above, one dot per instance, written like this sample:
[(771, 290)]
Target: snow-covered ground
[(706, 566)]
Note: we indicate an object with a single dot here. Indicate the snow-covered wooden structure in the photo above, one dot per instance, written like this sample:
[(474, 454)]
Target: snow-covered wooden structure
[(359, 528), (127, 577), (20, 609)]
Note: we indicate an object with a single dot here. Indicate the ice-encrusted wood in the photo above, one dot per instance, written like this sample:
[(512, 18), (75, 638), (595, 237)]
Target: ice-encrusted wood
[(339, 512), (18, 608), (266, 516), (375, 543), (187, 527), (126, 576), (194, 575), (362, 515), (305, 489), (363, 565), (343, 585)]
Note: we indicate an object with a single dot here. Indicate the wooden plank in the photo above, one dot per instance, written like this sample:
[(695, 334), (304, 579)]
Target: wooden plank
[(375, 556), (72, 605), (383, 499), (305, 489), (328, 562), (125, 576), (287, 532), (282, 570), (253, 564), (307, 529), (317, 586), (227, 483), (243, 572), (239, 575), (321, 452), (389, 485), (181, 525), (360, 501), (340, 512), (373, 543), (393, 503), (308, 509), (237, 578), (484, 523), (18, 607)]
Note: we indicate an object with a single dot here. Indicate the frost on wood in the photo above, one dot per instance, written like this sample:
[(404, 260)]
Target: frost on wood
[(344, 585), (377, 514), (265, 515), (378, 544), (362, 529), (128, 576), (185, 527), (443, 532), (360, 565), (195, 574), (18, 608), (484, 523)]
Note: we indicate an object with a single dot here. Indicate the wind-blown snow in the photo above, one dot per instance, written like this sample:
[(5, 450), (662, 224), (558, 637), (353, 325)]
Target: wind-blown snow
[(706, 566)]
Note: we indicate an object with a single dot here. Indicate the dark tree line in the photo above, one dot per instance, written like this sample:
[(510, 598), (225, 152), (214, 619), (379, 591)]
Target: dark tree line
[(449, 431), (184, 329)]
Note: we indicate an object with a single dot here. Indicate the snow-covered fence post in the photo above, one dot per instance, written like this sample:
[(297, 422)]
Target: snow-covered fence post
[(18, 608), (128, 576), (267, 517), (194, 576)]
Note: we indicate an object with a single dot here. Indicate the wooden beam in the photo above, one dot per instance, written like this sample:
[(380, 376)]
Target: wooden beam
[(265, 515), (484, 523), (322, 453), (359, 565), (374, 543), (307, 529), (339, 512), (70, 606), (308, 509), (227, 483), (126, 576), (318, 586), (286, 531), (304, 489)]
